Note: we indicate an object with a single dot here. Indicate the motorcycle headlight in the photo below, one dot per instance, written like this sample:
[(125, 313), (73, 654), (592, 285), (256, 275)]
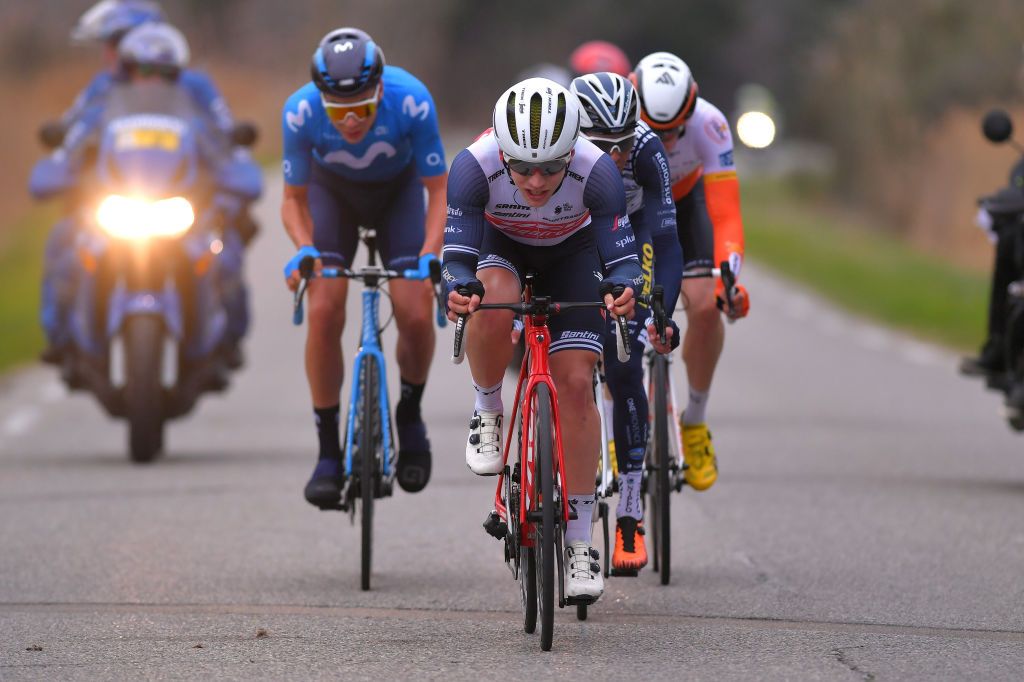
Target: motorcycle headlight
[(134, 218)]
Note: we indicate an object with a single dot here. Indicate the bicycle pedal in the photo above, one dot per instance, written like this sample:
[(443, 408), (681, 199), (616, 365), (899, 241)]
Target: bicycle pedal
[(624, 572), (576, 601), (495, 527)]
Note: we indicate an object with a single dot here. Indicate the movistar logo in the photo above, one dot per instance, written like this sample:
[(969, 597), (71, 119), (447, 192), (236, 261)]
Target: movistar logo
[(665, 78), (298, 119), (412, 109), (343, 47)]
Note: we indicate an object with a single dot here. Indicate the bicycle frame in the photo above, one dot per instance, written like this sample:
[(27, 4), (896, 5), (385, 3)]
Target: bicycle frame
[(370, 345), (535, 370)]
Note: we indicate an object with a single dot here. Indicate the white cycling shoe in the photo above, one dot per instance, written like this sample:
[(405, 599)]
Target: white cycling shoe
[(483, 448), (583, 579)]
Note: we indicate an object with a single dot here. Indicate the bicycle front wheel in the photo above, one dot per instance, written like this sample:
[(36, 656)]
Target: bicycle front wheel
[(661, 497), (369, 442), (545, 528)]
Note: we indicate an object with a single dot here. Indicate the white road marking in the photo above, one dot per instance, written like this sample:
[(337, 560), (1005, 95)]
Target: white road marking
[(52, 392), (20, 421)]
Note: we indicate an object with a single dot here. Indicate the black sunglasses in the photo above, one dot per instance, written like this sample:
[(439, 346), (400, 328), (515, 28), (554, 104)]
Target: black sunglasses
[(546, 167), (622, 145)]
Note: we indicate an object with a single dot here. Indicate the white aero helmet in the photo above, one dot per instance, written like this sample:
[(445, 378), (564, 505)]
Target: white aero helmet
[(537, 120), (668, 93)]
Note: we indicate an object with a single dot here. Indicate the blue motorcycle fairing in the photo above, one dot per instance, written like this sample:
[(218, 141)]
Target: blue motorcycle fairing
[(124, 303), (51, 176), (241, 177), (144, 151)]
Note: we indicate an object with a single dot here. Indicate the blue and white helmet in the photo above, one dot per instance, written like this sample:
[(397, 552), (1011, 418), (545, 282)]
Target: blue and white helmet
[(160, 46), (347, 62), (110, 20), (608, 100)]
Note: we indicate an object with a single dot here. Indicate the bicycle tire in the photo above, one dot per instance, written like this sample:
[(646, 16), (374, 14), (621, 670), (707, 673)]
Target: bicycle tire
[(369, 439), (526, 570), (663, 486), (543, 442)]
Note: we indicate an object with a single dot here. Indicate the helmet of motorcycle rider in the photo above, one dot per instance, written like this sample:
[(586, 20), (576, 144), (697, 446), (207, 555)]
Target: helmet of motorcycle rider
[(537, 120), (667, 90), (109, 20), (347, 62), (155, 48), (599, 55), (608, 100)]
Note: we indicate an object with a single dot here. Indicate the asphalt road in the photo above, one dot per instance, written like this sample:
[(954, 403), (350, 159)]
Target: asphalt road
[(868, 523)]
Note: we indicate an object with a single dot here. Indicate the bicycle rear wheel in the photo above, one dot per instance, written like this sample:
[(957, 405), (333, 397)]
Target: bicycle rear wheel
[(663, 475), (369, 441), (545, 528)]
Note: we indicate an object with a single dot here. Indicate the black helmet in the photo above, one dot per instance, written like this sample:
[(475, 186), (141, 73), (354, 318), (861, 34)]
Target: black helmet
[(347, 62)]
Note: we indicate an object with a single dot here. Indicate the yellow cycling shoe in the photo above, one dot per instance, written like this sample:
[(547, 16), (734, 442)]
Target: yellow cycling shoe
[(699, 454)]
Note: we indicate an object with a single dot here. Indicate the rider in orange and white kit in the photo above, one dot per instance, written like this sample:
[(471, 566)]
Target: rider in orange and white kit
[(706, 190)]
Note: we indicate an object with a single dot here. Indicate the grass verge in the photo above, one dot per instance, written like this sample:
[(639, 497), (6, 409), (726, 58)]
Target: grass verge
[(863, 270), (21, 267)]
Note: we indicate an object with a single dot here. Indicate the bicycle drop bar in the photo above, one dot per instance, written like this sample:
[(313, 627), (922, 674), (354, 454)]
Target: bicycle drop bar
[(539, 305), (371, 275), (657, 306)]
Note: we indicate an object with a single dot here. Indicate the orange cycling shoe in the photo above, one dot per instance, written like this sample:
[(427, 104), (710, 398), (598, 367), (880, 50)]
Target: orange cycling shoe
[(630, 552)]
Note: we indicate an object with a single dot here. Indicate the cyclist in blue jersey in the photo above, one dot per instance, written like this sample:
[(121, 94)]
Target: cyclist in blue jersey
[(610, 102), (360, 144), (531, 195)]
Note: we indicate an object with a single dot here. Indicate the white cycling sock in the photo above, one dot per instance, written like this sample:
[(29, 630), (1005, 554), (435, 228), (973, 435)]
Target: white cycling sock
[(630, 502), (695, 407), (579, 528), (488, 399)]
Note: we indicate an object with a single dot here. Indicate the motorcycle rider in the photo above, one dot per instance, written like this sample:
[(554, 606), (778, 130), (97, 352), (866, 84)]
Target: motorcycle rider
[(107, 23), (154, 53)]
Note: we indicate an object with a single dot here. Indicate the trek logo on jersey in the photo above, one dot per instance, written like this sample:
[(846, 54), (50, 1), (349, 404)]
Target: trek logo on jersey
[(717, 130), (575, 176), (412, 109), (298, 119), (495, 175), (665, 79)]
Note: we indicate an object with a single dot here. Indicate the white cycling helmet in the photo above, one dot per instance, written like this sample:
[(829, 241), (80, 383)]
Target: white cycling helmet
[(156, 45), (668, 93), (537, 120)]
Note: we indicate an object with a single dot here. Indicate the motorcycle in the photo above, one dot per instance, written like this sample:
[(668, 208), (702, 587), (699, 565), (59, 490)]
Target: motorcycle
[(147, 322), (1005, 210)]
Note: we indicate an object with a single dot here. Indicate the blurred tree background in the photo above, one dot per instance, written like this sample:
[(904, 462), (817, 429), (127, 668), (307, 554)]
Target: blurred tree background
[(894, 89)]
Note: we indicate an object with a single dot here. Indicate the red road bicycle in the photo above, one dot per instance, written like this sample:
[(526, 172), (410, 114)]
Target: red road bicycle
[(531, 509)]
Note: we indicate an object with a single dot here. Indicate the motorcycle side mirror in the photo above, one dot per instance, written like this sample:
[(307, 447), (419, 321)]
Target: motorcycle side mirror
[(51, 134), (997, 126), (244, 134)]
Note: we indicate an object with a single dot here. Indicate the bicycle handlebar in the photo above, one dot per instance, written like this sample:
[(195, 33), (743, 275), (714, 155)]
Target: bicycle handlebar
[(429, 268), (540, 305)]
